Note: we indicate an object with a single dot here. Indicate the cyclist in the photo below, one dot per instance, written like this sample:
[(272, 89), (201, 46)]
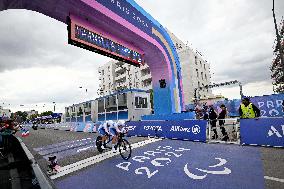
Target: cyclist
[(104, 131), (115, 129)]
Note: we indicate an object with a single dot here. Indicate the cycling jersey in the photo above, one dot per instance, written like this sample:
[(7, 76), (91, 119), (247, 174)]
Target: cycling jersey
[(103, 129), (114, 130)]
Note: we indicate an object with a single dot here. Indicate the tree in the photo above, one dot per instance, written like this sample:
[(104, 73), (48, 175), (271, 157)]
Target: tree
[(47, 113), (20, 116), (277, 73), (277, 66)]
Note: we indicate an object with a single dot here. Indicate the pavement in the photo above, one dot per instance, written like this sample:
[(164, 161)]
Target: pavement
[(158, 164)]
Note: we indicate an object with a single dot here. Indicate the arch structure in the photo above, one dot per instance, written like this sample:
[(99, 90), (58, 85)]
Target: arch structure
[(127, 23)]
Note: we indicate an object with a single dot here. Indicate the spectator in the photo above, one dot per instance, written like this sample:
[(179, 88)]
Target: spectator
[(221, 118), (205, 112), (213, 121), (248, 110), (283, 106)]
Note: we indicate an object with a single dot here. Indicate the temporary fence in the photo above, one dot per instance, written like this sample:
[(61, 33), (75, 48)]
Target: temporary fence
[(223, 131), (261, 131)]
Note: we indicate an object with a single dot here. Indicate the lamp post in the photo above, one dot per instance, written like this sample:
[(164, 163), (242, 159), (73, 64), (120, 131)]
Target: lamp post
[(54, 106)]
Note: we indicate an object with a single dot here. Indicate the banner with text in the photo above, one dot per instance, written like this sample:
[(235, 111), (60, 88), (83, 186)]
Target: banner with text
[(194, 130), (264, 131)]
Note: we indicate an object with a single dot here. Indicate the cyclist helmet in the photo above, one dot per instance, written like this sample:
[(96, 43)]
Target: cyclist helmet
[(120, 123), (109, 123)]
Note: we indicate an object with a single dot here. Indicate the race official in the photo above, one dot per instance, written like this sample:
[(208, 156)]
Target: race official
[(248, 110)]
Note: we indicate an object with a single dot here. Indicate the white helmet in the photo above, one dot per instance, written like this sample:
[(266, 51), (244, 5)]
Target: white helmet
[(109, 123), (120, 123)]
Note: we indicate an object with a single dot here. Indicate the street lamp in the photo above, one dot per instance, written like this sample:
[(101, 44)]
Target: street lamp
[(54, 106)]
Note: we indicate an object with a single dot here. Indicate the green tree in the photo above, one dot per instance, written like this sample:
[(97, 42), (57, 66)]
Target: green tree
[(20, 116), (47, 113)]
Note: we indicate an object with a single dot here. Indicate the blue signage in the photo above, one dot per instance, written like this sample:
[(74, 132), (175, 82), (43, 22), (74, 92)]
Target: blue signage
[(194, 130), (269, 105), (129, 13), (263, 131), (105, 43)]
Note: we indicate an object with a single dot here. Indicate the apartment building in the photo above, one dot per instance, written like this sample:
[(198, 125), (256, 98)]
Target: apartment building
[(117, 76), (195, 70), (5, 112)]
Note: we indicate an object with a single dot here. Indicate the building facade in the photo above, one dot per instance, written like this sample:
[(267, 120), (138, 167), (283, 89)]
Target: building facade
[(5, 112), (124, 105), (31, 113), (115, 76), (195, 71)]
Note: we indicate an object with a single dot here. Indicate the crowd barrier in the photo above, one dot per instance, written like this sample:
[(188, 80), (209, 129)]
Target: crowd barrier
[(262, 131), (194, 130), (224, 128)]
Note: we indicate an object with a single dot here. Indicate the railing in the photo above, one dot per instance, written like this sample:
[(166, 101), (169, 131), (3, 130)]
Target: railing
[(223, 131)]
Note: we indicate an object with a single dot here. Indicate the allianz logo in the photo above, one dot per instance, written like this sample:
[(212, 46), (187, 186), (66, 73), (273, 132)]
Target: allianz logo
[(180, 129), (153, 128), (273, 131)]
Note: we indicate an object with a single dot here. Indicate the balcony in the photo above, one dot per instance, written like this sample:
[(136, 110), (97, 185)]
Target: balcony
[(120, 78), (120, 69), (147, 77)]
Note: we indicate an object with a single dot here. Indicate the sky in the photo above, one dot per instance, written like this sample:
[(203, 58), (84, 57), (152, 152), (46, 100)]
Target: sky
[(38, 67)]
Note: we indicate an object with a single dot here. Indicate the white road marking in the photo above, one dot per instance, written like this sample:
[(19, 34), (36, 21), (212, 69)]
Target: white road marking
[(83, 149), (95, 159), (274, 179)]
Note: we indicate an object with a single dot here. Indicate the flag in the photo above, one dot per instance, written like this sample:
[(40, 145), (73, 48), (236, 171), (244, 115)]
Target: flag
[(25, 132)]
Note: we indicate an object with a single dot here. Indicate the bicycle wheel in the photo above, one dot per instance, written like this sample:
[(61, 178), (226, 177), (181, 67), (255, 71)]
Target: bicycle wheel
[(99, 144), (125, 149)]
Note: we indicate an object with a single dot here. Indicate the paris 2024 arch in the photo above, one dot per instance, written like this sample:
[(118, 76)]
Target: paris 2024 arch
[(124, 31)]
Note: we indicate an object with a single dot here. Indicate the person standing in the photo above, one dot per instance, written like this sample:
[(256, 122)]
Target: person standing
[(248, 110), (213, 120), (221, 117)]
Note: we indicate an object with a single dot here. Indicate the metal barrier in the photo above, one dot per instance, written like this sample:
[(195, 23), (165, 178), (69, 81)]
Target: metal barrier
[(223, 131)]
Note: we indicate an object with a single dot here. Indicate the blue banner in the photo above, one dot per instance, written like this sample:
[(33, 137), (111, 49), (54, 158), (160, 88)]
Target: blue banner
[(194, 130), (269, 105), (264, 131)]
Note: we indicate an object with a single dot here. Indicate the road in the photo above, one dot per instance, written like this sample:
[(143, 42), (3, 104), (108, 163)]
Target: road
[(156, 163)]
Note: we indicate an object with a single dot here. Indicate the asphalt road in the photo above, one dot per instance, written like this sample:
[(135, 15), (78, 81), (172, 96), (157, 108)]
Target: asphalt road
[(72, 147)]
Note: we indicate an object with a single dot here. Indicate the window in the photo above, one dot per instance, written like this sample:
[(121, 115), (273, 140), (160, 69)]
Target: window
[(201, 75), (204, 67), (141, 102), (197, 75), (101, 105), (103, 72), (205, 76), (198, 84), (195, 60)]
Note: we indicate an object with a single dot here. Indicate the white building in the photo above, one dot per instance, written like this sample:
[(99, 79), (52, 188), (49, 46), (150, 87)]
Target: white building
[(5, 112), (125, 105), (195, 73), (117, 76), (30, 113)]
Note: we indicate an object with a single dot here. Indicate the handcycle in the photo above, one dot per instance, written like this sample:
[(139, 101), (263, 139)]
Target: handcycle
[(123, 145)]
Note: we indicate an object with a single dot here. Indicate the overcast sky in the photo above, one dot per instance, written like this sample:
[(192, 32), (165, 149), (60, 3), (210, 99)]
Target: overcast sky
[(38, 67)]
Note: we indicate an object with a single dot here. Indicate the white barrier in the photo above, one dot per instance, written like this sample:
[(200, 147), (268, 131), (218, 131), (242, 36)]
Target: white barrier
[(229, 129)]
